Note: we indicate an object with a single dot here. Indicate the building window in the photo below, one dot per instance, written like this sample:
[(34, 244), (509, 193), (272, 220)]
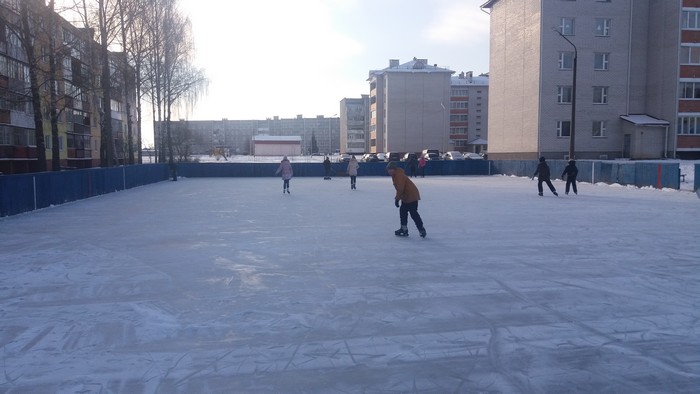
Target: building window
[(567, 26), (566, 60), (459, 92), (599, 128), (459, 104), (602, 27), (689, 90), (690, 54), (690, 20), (688, 125), (564, 94), (601, 61), (563, 128), (600, 95)]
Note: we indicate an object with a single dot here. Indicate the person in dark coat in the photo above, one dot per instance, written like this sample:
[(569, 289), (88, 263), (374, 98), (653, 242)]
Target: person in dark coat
[(327, 168), (542, 173), (412, 165), (571, 172)]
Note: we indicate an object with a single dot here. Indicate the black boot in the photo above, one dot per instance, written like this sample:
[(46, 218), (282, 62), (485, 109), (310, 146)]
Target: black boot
[(401, 232)]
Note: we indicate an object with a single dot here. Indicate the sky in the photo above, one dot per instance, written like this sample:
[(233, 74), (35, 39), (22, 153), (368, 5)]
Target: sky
[(286, 58), (220, 285)]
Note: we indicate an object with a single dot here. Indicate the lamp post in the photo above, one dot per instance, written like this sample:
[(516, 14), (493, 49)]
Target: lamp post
[(573, 99)]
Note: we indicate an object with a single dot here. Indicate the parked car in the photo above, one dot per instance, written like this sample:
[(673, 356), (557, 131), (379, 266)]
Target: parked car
[(393, 156), (408, 156), (431, 154), (381, 156), (344, 158), (370, 157), (472, 156), (453, 155)]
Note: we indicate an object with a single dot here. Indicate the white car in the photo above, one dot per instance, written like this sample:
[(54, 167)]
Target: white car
[(453, 155), (472, 156)]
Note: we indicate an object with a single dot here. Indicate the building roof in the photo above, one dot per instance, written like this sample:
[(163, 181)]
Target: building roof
[(488, 4), (478, 141), (415, 65), (276, 138), (644, 120)]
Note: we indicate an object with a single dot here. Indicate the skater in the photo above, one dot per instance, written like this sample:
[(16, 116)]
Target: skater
[(406, 193), (421, 166), (327, 168), (352, 171), (286, 169), (571, 172), (543, 176), (412, 164)]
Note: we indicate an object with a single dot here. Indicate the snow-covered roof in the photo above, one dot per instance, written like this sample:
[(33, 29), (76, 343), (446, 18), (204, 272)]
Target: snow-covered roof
[(644, 120), (478, 141), (415, 65)]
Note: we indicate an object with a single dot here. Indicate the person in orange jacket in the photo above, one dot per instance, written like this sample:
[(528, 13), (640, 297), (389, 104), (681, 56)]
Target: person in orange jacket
[(408, 195)]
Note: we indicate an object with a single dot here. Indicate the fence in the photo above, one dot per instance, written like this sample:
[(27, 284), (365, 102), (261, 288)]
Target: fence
[(27, 192), (658, 175)]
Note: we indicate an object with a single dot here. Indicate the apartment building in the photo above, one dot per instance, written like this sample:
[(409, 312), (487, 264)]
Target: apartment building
[(469, 96), (636, 64), (409, 107), (77, 99), (319, 134), (354, 125)]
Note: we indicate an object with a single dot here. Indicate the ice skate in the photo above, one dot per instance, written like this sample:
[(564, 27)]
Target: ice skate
[(401, 232), (422, 232)]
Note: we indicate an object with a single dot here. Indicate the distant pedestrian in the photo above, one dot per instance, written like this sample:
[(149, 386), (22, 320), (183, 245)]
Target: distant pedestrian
[(407, 195), (327, 168), (412, 165), (421, 166), (543, 175), (571, 173), (352, 171), (285, 169)]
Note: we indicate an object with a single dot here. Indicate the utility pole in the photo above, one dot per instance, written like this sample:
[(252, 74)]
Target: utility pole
[(572, 138)]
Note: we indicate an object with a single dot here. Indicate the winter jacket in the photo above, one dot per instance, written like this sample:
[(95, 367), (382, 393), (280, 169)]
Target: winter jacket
[(352, 167), (286, 169), (543, 171), (570, 171), (406, 190)]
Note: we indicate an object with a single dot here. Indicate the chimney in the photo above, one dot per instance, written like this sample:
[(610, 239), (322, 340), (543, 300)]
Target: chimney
[(393, 63)]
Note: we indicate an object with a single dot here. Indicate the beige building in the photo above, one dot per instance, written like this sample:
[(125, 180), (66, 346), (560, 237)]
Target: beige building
[(409, 107), (627, 102), (354, 125)]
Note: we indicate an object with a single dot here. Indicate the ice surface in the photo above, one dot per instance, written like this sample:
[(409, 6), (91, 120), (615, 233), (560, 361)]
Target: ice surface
[(225, 285)]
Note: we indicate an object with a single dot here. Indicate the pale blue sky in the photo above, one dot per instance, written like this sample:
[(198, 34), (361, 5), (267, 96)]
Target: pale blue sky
[(282, 58)]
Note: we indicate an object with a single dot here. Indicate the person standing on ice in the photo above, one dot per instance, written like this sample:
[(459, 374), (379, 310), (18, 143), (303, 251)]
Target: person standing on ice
[(421, 166), (571, 172), (327, 168), (285, 169), (406, 193), (352, 171), (542, 173)]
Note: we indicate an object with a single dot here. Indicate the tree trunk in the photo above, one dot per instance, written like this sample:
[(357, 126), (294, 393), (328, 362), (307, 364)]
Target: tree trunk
[(28, 44)]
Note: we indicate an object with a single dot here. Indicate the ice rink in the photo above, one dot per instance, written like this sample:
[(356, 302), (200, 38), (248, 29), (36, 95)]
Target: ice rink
[(225, 285)]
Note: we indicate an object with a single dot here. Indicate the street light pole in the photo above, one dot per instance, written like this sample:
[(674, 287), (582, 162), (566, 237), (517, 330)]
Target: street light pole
[(572, 138)]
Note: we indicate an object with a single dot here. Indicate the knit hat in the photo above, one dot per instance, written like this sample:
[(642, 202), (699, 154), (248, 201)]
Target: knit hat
[(541, 159), (572, 161), (392, 165)]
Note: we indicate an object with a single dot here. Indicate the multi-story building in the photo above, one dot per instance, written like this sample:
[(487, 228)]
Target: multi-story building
[(235, 136), (354, 125), (636, 63), (77, 98), (469, 97), (409, 107)]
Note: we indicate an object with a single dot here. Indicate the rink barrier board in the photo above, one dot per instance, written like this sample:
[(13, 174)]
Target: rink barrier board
[(26, 192)]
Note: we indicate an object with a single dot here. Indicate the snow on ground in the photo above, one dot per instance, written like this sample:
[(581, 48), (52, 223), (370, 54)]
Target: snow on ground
[(224, 285)]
